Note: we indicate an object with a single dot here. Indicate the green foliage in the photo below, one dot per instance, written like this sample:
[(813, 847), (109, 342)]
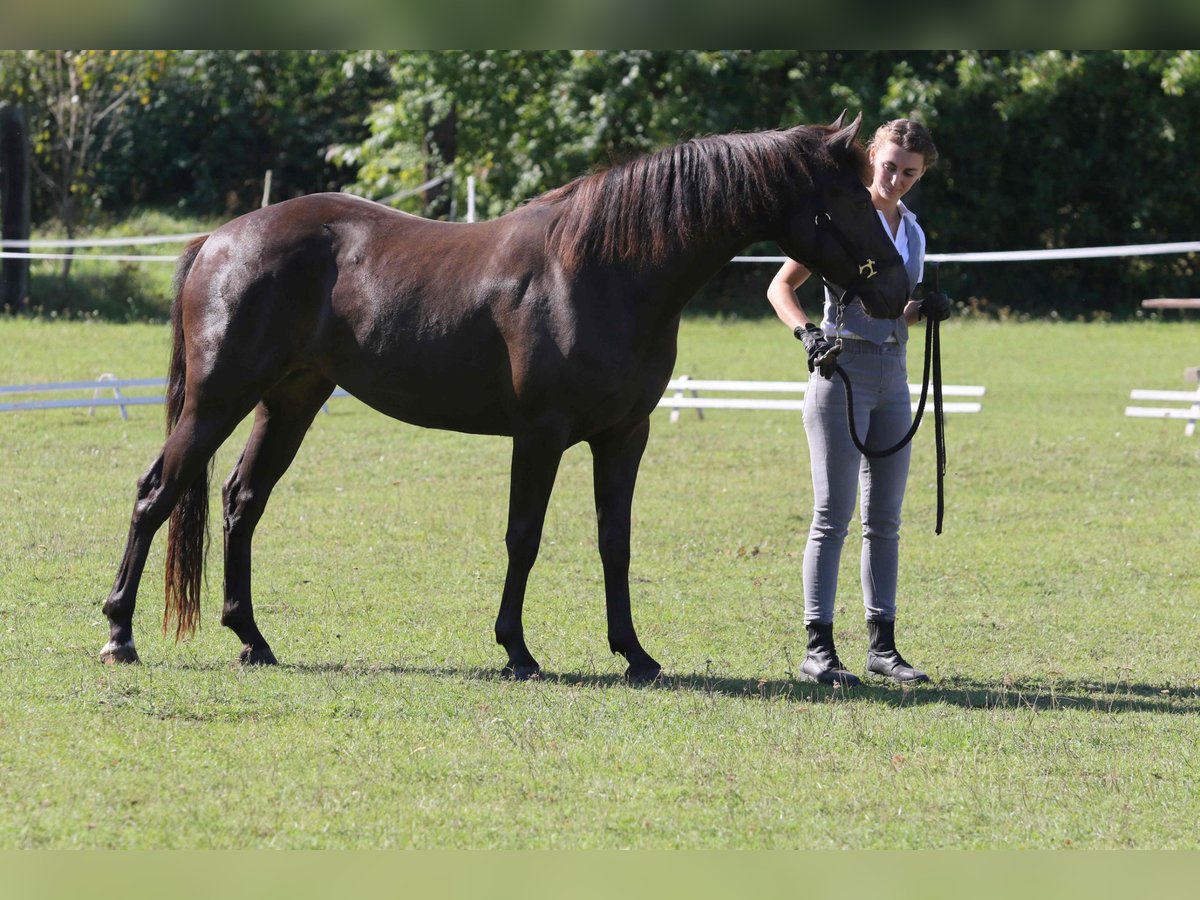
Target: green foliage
[(1039, 148), (523, 122), (78, 103), (1055, 149), (220, 119), (1057, 613), (461, 112), (195, 130)]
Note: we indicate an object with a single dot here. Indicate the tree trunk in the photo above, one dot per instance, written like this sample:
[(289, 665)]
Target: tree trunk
[(14, 206)]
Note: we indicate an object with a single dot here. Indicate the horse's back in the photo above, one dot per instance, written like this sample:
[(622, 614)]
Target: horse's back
[(404, 312)]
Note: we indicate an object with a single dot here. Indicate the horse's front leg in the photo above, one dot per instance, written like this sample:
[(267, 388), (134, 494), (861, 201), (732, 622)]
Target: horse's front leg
[(616, 456), (535, 462)]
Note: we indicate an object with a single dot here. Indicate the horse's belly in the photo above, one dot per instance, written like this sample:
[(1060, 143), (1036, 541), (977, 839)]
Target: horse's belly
[(477, 411)]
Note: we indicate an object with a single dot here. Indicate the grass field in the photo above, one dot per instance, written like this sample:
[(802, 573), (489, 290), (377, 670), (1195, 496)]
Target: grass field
[(1057, 614)]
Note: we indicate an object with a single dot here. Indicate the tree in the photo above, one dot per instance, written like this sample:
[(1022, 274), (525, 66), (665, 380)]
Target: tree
[(218, 120), (1052, 149), (486, 113), (524, 122), (78, 103)]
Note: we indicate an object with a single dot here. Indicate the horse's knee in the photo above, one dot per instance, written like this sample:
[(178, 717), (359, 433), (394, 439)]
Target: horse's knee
[(522, 548), (614, 538)]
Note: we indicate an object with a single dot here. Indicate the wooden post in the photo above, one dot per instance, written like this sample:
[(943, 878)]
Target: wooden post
[(14, 205)]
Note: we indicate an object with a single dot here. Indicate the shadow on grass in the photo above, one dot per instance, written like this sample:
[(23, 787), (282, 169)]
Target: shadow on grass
[(1054, 694)]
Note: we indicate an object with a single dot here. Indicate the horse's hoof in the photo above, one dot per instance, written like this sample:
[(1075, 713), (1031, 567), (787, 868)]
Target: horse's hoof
[(522, 673), (257, 656), (114, 654), (651, 674)]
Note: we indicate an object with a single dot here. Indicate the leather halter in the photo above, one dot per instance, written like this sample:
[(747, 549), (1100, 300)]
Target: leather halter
[(867, 269)]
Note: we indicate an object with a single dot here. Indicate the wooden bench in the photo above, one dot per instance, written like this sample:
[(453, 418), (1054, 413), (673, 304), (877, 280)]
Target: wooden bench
[(684, 392), (1191, 374), (1188, 412), (1171, 303)]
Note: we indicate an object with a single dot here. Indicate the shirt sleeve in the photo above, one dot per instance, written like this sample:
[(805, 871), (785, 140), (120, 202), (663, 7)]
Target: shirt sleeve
[(919, 249)]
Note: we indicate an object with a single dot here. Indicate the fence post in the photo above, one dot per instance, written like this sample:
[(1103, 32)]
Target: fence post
[(14, 205)]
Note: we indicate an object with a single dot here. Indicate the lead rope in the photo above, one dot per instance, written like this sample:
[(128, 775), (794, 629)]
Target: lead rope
[(933, 362)]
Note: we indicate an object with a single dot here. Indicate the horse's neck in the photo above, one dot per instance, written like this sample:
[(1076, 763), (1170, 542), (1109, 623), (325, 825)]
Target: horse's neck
[(711, 248), (678, 279)]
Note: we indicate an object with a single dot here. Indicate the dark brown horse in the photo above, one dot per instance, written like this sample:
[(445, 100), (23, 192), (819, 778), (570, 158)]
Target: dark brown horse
[(554, 324)]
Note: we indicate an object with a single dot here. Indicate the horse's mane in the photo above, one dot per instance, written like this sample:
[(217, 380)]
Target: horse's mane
[(651, 207)]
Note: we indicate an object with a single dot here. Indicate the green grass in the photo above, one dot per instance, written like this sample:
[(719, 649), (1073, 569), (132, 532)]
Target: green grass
[(1057, 614)]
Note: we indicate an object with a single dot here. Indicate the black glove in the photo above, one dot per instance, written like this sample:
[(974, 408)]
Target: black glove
[(936, 307), (818, 347)]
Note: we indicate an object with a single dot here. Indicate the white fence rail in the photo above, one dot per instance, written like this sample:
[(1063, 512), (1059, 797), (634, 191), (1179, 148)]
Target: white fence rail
[(680, 387), (21, 250), (105, 383)]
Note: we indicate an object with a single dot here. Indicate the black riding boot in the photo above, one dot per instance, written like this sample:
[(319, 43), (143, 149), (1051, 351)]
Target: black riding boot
[(884, 659), (822, 664)]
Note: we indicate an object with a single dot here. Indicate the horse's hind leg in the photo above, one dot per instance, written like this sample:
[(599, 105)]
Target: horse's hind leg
[(280, 423), (616, 456), (182, 460)]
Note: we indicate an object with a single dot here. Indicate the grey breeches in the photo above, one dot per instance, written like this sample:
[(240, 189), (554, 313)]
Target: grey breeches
[(882, 415)]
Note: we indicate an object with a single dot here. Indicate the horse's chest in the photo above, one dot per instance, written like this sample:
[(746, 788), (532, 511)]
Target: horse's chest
[(602, 382)]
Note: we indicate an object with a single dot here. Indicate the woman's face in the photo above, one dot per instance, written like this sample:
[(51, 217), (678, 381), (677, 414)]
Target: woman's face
[(896, 170)]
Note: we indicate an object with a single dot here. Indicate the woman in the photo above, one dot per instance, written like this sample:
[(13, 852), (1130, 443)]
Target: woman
[(873, 357)]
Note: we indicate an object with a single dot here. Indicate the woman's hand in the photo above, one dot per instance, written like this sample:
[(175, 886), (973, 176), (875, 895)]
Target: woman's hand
[(818, 348), (936, 307)]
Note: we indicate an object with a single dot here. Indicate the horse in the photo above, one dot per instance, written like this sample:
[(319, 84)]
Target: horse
[(553, 324)]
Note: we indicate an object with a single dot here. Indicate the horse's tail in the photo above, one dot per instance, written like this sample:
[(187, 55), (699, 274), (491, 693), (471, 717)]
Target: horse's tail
[(187, 533)]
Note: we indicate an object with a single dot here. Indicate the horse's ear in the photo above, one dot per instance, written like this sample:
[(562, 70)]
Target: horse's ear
[(837, 123), (844, 139)]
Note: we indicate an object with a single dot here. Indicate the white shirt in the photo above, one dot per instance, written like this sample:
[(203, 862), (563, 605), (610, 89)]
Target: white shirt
[(900, 238)]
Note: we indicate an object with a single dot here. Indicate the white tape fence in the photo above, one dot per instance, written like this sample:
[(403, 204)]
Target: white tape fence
[(21, 250), (26, 246)]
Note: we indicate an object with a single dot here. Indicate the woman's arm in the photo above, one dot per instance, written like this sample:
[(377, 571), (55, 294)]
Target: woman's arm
[(782, 294)]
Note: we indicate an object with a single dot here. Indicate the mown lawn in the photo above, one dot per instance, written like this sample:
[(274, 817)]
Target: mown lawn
[(1057, 614)]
